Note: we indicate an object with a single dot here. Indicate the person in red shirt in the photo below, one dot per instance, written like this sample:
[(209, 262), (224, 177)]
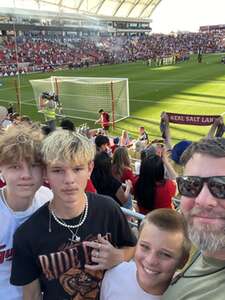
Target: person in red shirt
[(121, 166), (104, 119), (90, 187), (152, 190)]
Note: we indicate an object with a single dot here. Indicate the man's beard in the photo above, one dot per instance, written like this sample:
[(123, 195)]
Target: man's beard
[(207, 240), (206, 237)]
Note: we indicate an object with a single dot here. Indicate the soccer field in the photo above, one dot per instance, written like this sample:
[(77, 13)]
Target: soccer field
[(187, 87)]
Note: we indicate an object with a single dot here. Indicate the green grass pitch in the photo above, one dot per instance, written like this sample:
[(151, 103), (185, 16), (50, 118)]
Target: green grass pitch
[(187, 87)]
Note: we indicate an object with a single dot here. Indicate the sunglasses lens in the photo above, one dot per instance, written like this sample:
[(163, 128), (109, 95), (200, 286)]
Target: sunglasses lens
[(217, 186), (189, 186)]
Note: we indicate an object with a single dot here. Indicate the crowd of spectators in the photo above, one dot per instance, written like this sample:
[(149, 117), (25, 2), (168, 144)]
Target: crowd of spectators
[(38, 51), (113, 175)]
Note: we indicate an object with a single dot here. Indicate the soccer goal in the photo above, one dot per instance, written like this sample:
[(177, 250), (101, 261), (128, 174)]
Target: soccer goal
[(83, 97)]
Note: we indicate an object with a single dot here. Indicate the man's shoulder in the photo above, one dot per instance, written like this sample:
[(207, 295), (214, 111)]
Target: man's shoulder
[(201, 279)]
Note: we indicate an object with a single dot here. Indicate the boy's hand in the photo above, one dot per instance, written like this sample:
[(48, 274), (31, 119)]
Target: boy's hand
[(128, 183), (103, 254)]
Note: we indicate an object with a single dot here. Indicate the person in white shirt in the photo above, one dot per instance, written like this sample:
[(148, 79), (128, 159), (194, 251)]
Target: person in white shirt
[(162, 247), (22, 173)]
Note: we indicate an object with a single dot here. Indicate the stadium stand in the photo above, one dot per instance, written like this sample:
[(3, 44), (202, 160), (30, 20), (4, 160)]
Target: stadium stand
[(43, 52)]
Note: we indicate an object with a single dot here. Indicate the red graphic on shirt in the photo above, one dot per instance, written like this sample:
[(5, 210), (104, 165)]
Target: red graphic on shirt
[(2, 246), (5, 255)]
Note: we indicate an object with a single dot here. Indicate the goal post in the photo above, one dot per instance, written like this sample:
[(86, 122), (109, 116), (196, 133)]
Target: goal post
[(83, 97)]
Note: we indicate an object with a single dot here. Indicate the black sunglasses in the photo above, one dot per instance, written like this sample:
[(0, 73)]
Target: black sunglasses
[(191, 186)]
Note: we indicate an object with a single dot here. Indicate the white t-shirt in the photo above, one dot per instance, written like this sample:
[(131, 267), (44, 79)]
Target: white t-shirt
[(10, 221), (120, 283)]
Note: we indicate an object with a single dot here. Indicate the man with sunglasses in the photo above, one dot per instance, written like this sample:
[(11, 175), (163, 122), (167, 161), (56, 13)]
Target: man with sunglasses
[(202, 189)]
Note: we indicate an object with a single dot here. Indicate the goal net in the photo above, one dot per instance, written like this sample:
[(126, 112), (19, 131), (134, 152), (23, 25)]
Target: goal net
[(83, 97)]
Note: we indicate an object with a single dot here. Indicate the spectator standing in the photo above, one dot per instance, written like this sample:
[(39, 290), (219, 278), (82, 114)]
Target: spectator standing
[(104, 120), (121, 166), (152, 190), (104, 181)]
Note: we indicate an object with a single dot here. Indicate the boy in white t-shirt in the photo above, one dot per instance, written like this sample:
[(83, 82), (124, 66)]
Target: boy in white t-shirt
[(162, 247), (21, 170)]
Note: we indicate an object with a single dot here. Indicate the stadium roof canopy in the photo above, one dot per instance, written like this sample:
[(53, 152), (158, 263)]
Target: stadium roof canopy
[(135, 9)]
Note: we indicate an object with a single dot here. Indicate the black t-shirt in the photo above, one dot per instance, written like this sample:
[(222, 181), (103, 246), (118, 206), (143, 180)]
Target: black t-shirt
[(43, 251), (108, 187)]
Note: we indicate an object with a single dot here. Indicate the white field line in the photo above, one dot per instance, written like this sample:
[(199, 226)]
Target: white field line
[(131, 116), (158, 81), (147, 82), (25, 101), (13, 88), (178, 102), (171, 102), (13, 101)]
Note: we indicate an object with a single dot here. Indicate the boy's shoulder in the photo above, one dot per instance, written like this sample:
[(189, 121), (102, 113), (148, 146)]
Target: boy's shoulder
[(126, 266), (102, 201), (105, 205), (117, 274), (35, 220)]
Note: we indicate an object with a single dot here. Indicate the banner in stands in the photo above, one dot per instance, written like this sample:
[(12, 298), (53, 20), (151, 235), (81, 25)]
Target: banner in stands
[(201, 120)]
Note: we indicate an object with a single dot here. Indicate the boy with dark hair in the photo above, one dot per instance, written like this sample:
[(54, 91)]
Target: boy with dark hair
[(67, 124), (102, 143)]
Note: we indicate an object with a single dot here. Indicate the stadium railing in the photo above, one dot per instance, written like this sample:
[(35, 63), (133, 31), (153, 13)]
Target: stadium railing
[(134, 218)]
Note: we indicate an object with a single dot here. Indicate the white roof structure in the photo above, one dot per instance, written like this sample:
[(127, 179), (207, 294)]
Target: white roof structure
[(130, 9)]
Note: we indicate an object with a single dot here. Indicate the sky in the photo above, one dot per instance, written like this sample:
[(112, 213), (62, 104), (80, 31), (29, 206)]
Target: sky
[(187, 15)]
